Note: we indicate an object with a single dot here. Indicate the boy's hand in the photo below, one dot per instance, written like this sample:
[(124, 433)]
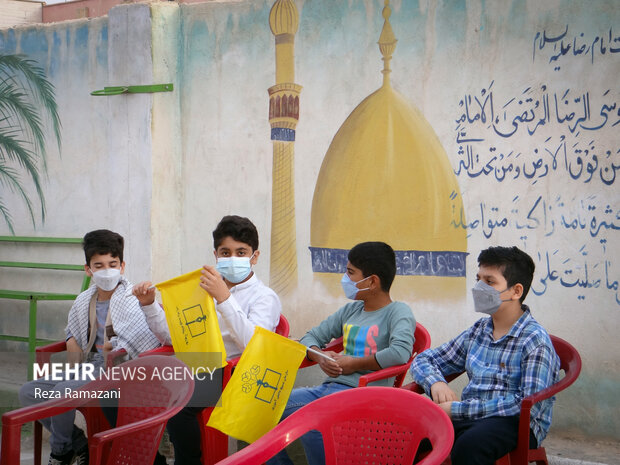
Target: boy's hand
[(74, 351), (212, 282), (331, 369), (441, 393), (447, 407), (346, 363), (142, 292)]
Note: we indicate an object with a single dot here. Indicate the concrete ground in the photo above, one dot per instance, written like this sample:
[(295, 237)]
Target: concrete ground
[(563, 448)]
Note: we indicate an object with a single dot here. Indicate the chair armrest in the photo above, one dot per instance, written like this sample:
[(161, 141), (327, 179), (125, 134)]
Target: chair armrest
[(228, 369), (45, 409), (547, 392), (383, 373), (43, 354), (112, 356), (163, 350), (114, 433), (413, 387), (335, 346)]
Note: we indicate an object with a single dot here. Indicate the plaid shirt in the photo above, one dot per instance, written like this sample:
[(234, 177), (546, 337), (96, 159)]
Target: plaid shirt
[(501, 373)]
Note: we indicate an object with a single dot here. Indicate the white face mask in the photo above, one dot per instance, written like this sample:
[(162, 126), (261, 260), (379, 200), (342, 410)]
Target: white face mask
[(350, 287), (107, 279), (234, 269)]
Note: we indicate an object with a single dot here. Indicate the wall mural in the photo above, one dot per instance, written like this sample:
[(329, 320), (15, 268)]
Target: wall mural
[(26, 99), (387, 177), (283, 117)]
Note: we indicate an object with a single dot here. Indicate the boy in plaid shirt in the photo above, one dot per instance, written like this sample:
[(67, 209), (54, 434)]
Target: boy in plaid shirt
[(507, 355)]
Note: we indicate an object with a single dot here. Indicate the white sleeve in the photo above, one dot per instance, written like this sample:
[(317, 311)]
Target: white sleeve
[(156, 319), (264, 312)]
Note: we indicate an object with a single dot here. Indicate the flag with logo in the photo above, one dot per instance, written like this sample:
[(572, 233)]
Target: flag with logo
[(191, 317), (254, 398)]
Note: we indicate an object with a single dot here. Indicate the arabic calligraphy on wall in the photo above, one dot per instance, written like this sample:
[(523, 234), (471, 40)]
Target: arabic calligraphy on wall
[(550, 154), (565, 45)]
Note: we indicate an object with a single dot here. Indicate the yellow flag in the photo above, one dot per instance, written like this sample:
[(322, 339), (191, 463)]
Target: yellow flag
[(191, 317), (254, 398)]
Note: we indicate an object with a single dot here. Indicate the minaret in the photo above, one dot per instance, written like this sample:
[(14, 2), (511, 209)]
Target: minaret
[(283, 117)]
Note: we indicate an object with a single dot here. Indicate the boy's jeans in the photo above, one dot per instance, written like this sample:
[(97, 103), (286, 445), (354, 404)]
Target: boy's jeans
[(312, 441)]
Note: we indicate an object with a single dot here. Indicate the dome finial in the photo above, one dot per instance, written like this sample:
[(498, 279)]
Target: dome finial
[(283, 17), (387, 42)]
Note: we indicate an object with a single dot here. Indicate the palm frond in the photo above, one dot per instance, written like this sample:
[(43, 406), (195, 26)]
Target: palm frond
[(41, 87), (26, 96), (17, 109), (12, 149), (6, 215), (10, 179)]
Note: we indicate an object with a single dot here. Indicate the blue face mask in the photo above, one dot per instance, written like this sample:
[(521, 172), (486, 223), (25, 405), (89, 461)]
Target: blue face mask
[(349, 287), (234, 269), (486, 298)]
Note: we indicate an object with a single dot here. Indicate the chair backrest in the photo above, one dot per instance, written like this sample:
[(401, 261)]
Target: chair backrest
[(392, 428), (421, 343), (570, 360), (283, 327), (422, 339), (371, 425), (158, 385)]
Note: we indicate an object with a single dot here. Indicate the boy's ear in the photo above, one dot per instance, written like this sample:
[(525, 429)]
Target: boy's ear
[(215, 254), (518, 291), (375, 282), (122, 267), (87, 271), (255, 258)]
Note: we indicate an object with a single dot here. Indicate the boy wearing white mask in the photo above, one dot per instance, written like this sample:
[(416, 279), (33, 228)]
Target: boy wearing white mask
[(242, 302), (507, 355), (104, 317)]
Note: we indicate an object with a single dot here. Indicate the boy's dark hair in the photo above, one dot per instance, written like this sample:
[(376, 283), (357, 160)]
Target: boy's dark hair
[(514, 264), (103, 242), (375, 258), (239, 228)]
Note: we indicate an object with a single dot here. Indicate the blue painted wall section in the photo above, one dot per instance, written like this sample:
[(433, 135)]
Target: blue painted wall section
[(408, 262)]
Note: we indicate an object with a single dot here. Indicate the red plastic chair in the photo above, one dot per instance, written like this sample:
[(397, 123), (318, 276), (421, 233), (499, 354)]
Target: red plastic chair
[(95, 419), (214, 443), (570, 362), (378, 425), (421, 343), (145, 404)]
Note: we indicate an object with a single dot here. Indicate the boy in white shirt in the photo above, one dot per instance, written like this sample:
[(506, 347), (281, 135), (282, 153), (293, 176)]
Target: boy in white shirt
[(242, 302)]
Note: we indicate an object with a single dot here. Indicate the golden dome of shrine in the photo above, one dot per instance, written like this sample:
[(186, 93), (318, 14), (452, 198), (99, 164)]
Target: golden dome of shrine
[(386, 177)]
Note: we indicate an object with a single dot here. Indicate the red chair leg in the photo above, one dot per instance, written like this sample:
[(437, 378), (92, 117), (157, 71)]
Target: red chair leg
[(214, 444), (11, 435), (38, 440), (538, 455)]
